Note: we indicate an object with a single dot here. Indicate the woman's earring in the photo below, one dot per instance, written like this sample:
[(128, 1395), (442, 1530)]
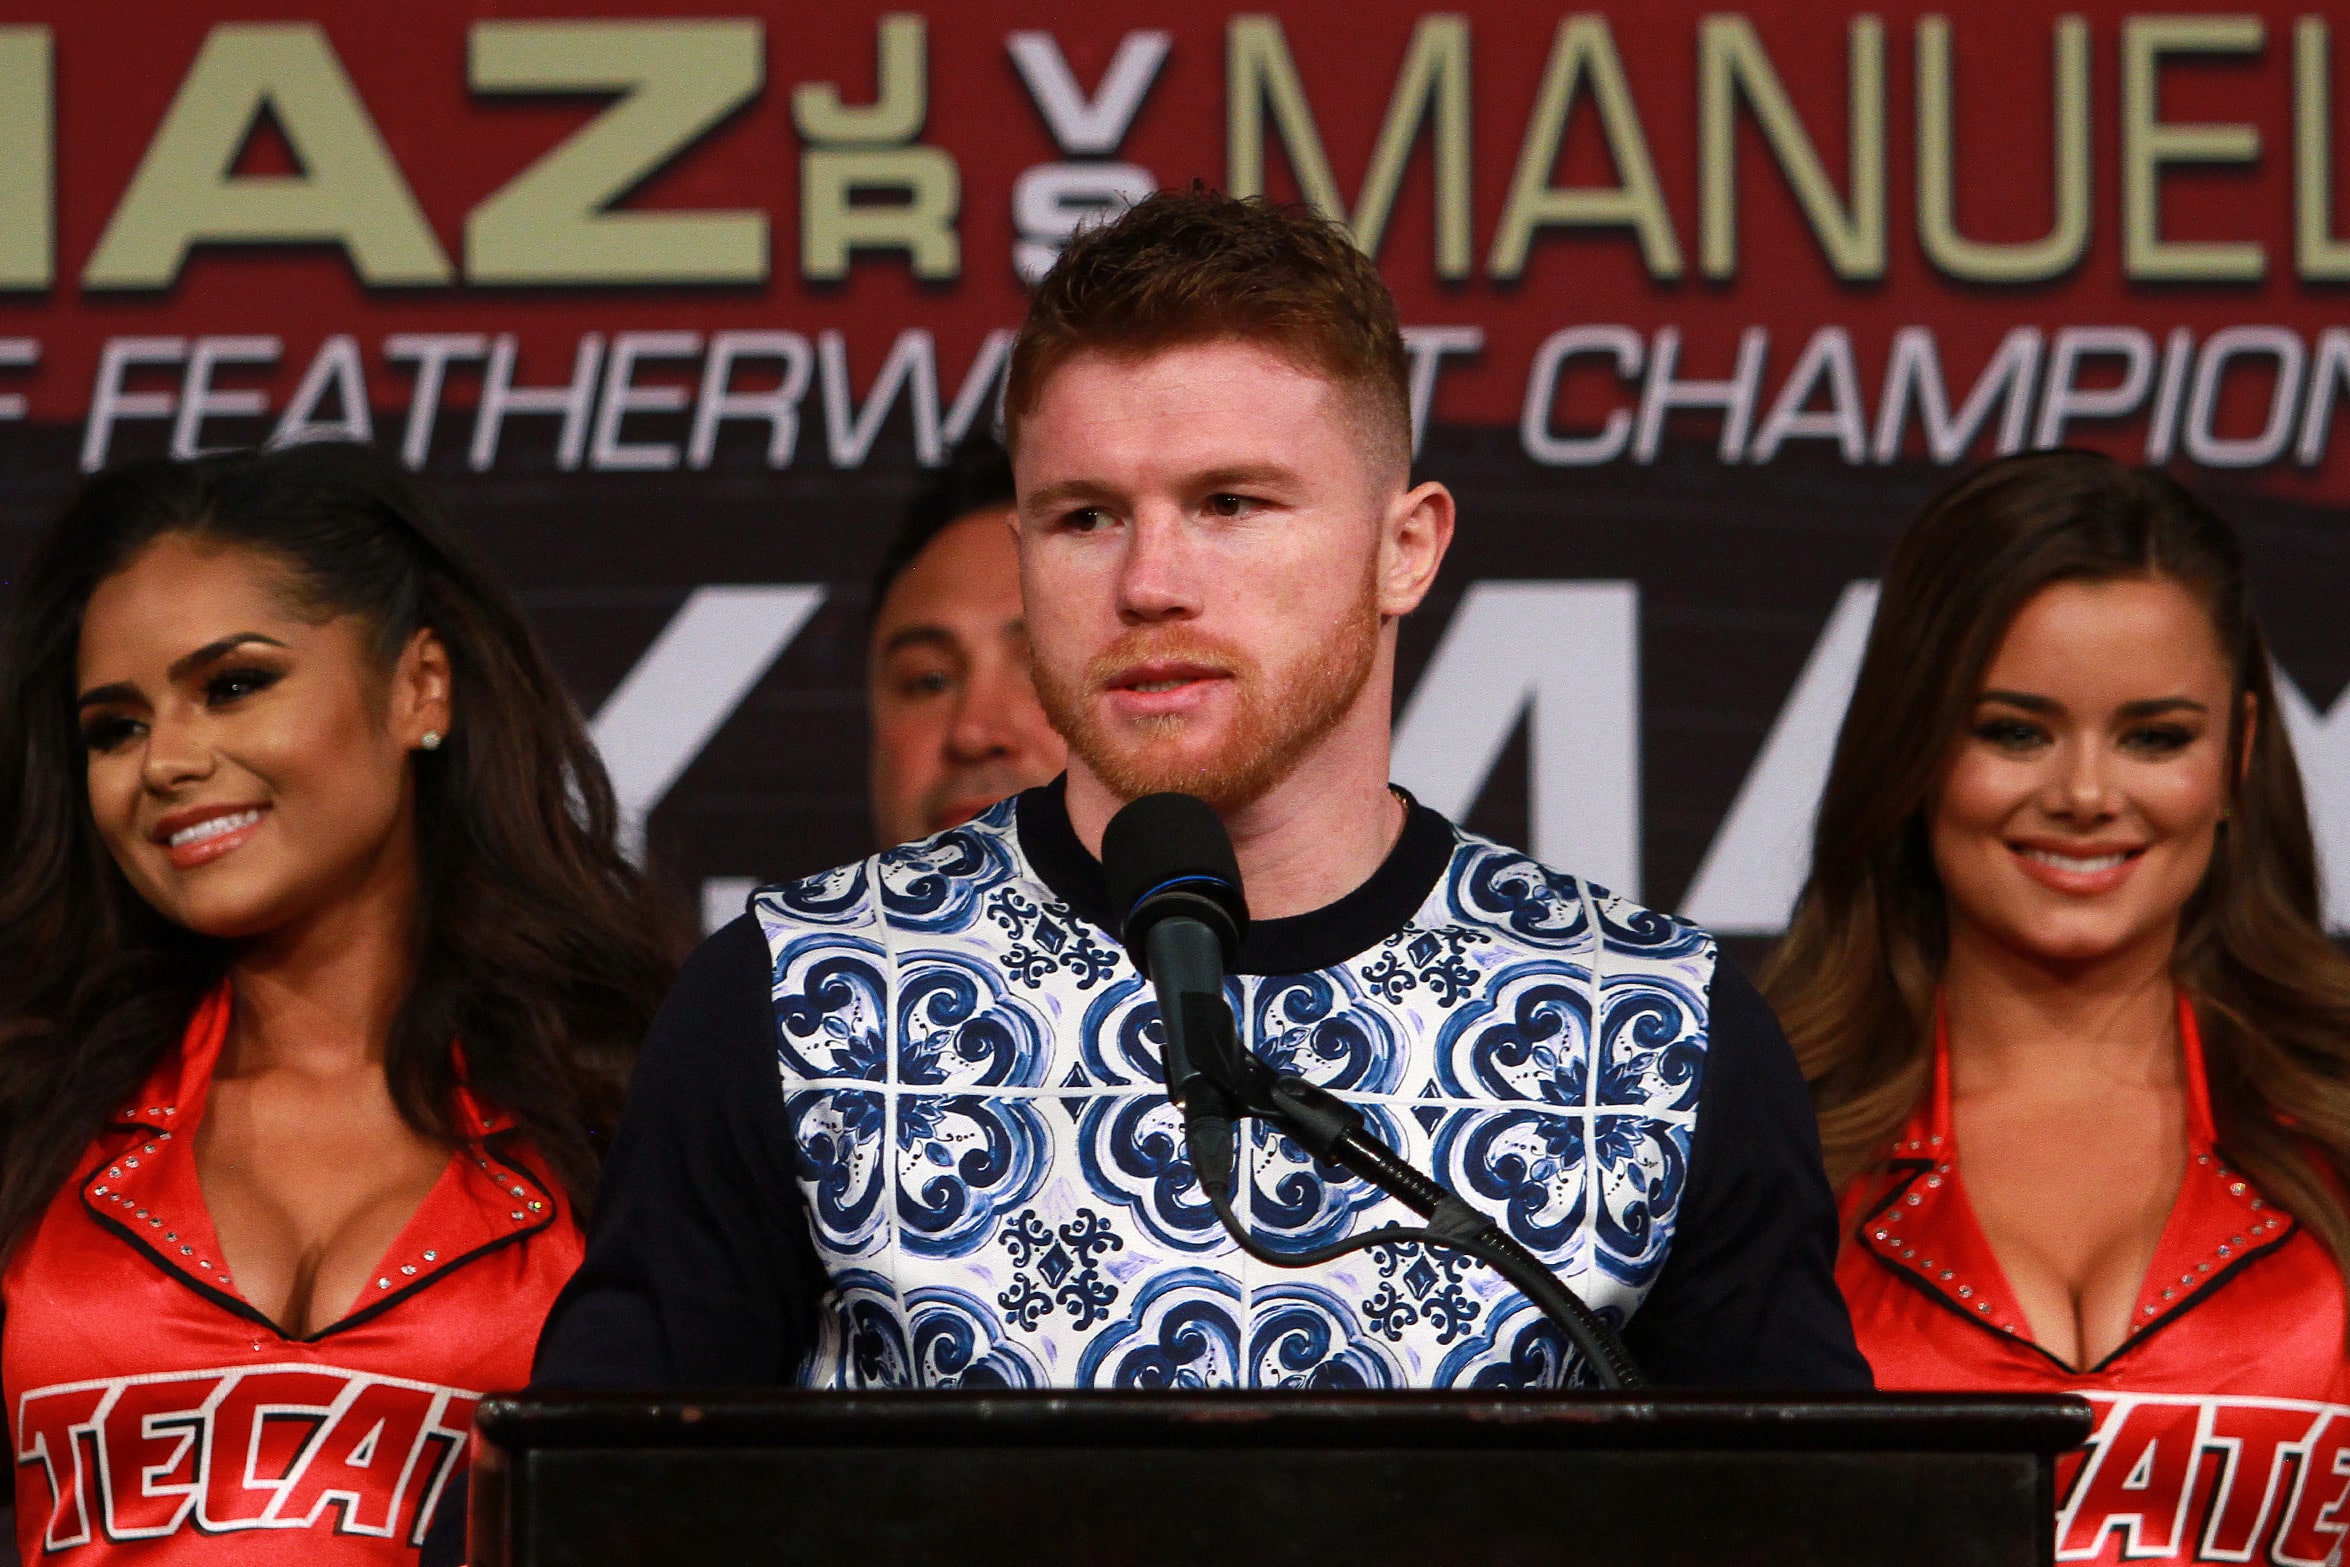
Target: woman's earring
[(430, 740)]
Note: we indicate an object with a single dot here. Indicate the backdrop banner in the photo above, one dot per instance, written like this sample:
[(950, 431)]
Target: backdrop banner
[(671, 309)]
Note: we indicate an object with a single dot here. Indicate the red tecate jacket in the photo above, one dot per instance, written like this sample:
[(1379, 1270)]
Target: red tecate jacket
[(161, 1419), (2223, 1423)]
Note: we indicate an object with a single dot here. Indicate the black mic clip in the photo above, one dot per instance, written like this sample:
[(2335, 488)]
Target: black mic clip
[(1235, 1085)]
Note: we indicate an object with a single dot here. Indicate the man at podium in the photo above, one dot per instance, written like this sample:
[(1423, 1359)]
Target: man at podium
[(903, 1124)]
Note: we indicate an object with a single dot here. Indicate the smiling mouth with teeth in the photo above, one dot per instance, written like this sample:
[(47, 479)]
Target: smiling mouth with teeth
[(2080, 865), (213, 828)]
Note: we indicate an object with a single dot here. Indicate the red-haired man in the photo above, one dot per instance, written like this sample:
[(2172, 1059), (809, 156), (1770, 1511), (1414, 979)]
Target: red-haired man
[(903, 1124)]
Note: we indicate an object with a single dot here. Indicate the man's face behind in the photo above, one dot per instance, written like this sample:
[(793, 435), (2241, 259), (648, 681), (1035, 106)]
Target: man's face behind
[(956, 725), (1201, 532)]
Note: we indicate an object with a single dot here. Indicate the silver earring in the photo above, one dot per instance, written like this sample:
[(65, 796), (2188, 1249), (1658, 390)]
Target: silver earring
[(430, 740)]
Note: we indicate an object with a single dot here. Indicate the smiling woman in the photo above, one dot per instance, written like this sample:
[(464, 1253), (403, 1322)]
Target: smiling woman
[(2077, 1038), (319, 977)]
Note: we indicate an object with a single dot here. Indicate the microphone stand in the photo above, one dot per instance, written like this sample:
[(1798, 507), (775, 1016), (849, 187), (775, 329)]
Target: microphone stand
[(1217, 1085)]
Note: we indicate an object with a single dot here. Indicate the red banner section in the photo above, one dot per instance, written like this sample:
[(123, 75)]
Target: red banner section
[(1883, 233), (673, 304)]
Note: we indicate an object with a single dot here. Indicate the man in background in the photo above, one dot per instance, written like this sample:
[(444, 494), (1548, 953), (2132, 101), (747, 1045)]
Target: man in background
[(956, 724)]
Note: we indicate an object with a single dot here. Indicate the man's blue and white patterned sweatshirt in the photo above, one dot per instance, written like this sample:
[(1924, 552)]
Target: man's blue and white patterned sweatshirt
[(903, 1125)]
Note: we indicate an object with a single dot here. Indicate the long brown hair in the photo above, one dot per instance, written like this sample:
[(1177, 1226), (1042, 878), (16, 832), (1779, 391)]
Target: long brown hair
[(538, 947), (1855, 977)]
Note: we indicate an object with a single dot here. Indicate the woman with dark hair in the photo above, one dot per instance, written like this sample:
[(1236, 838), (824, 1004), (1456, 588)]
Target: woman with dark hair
[(2079, 1044), (319, 978)]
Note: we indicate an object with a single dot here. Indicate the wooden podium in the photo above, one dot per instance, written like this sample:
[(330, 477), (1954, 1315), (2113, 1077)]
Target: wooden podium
[(1267, 1479)]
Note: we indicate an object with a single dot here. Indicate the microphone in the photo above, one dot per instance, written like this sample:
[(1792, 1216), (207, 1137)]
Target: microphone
[(1175, 882), (1171, 871)]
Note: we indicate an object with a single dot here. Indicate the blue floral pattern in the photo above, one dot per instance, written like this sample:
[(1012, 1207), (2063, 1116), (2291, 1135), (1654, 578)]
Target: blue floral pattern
[(1130, 1148), (1420, 1283), (1297, 1201), (1121, 1037), (963, 1158), (1526, 1036), (829, 1010), (998, 1187), (837, 1137), (1184, 1331), (835, 898), (937, 883), (1324, 1029), (1522, 1349), (1304, 1337), (861, 1342), (957, 1026), (956, 1342)]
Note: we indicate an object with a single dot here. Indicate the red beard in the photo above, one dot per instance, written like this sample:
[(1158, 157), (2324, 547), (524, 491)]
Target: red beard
[(1277, 726)]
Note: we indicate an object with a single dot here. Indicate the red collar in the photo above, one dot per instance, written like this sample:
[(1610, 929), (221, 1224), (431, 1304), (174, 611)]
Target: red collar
[(1922, 1226), (146, 1191), (174, 1092)]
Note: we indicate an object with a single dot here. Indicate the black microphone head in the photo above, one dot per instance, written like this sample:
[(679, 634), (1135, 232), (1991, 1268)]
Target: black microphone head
[(1169, 854)]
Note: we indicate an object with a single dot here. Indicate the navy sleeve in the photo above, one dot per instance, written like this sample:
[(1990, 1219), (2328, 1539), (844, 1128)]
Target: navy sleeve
[(700, 1271), (1748, 1296)]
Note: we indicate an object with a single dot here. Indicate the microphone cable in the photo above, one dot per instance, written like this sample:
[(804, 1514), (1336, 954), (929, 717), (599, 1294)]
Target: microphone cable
[(1174, 879), (1333, 1130)]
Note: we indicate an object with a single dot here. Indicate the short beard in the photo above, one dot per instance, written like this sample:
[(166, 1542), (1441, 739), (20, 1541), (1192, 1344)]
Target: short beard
[(1274, 732)]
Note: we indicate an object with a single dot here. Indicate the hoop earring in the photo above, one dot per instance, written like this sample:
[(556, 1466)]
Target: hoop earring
[(430, 740)]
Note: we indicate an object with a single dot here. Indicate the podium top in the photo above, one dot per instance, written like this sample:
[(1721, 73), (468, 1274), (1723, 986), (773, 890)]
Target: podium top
[(779, 1418)]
